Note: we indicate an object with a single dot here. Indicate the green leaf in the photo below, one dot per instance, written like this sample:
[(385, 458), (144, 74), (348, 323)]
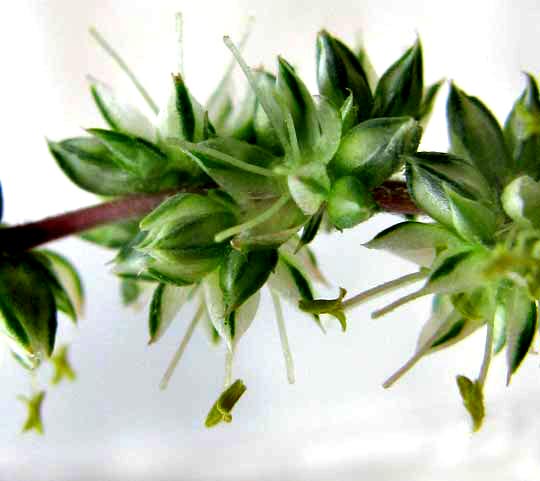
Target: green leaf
[(119, 115), (210, 331), (298, 101), (221, 410), (27, 307), (499, 318), (367, 66), (113, 235), (68, 277), (521, 201), (305, 259), (459, 271), (272, 233), (522, 130), (350, 203), (473, 400), (399, 91), (133, 154), (431, 174), (415, 241), (130, 291), (372, 151), (520, 314), (61, 298), (311, 228), (33, 417), (231, 326), (91, 166), (179, 243), (131, 263), (223, 158), (475, 135), (181, 209), (166, 303), (183, 268), (239, 122), (182, 117), (330, 133), (340, 74), (309, 186), (243, 274), (477, 304), (472, 220), (428, 101), (445, 327), (348, 114), (267, 135)]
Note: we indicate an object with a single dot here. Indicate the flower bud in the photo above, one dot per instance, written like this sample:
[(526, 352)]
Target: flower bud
[(349, 203), (179, 243), (372, 150)]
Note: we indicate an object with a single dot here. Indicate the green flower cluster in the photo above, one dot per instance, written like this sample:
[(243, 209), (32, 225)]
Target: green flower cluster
[(249, 185), (482, 255), (274, 167)]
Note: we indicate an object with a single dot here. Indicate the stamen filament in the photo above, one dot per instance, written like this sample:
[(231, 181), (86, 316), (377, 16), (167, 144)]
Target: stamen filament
[(215, 97), (287, 355), (385, 288), (263, 217), (261, 97), (180, 351), (180, 39), (229, 355), (488, 354), (291, 130), (400, 302), (415, 358), (116, 57), (228, 159)]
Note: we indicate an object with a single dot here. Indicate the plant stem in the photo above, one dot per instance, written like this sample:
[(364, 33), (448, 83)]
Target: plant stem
[(392, 197), (27, 236)]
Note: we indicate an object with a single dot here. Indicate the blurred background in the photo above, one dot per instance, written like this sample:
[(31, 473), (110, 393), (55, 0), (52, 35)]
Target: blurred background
[(336, 422)]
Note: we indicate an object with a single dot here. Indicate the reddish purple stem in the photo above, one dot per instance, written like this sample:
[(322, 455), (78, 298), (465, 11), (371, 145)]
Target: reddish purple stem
[(392, 197)]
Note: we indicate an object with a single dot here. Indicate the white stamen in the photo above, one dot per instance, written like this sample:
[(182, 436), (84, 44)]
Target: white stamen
[(263, 217), (413, 360), (385, 288), (180, 39), (228, 159), (230, 67), (229, 355), (265, 102), (287, 355), (488, 353), (180, 351), (400, 302), (116, 57)]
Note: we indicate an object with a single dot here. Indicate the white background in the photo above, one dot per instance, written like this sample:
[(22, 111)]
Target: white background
[(337, 422)]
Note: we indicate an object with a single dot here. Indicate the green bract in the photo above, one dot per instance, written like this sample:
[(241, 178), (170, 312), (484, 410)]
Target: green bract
[(33, 287)]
